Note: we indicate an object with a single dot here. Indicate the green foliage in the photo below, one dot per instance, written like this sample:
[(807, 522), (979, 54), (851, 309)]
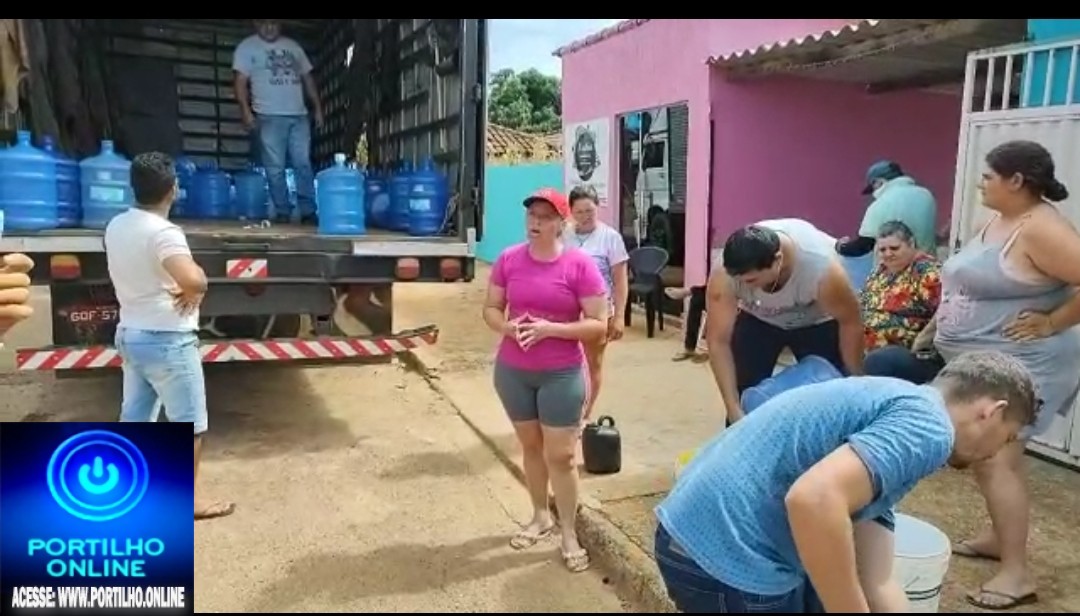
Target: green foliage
[(528, 101)]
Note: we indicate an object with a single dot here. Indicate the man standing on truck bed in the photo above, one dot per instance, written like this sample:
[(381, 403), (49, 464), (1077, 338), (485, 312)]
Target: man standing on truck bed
[(272, 73), (159, 288)]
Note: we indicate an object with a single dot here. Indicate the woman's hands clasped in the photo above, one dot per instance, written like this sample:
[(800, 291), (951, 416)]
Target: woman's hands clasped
[(528, 330)]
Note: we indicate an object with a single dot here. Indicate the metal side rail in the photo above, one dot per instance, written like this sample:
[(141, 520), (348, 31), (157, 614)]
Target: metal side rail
[(324, 348)]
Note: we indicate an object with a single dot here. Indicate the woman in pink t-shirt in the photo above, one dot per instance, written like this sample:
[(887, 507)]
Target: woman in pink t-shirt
[(546, 299)]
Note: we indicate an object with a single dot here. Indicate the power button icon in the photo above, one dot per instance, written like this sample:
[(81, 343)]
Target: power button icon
[(91, 485), (98, 475)]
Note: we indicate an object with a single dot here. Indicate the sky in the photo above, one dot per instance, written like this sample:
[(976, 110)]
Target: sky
[(522, 44)]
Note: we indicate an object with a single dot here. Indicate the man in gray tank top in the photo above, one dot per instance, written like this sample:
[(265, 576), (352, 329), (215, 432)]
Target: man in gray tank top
[(781, 286)]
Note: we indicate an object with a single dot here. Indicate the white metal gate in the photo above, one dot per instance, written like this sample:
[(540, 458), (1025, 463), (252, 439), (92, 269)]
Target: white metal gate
[(1030, 92)]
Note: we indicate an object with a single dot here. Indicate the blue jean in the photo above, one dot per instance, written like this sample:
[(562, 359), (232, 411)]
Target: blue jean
[(696, 592), (900, 363), (162, 368), (758, 345), (287, 139)]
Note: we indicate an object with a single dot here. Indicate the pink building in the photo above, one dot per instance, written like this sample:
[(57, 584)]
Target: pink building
[(784, 115)]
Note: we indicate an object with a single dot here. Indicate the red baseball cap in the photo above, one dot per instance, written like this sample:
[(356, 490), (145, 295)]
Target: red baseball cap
[(552, 196)]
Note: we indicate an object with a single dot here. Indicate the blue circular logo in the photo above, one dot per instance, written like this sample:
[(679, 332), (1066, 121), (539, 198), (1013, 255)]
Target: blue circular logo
[(98, 475)]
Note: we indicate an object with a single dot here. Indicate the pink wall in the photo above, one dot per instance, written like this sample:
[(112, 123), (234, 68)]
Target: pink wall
[(659, 63), (792, 147)]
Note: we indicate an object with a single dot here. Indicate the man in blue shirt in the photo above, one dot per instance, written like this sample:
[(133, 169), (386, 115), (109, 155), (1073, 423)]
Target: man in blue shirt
[(770, 515)]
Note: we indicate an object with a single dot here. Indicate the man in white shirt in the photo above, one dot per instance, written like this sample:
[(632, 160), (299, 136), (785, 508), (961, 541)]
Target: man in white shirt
[(159, 287), (272, 75)]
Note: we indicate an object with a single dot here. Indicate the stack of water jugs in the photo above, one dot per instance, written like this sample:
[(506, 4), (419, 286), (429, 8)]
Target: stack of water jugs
[(407, 200), (40, 188), (207, 192), (411, 201)]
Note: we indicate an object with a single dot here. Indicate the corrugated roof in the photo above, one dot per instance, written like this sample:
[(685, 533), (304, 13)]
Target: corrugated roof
[(508, 144), (878, 51), (623, 26), (859, 31)]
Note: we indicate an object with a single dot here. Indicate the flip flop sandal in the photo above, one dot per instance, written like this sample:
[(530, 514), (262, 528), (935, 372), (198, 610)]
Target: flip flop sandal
[(576, 561), (1010, 601), (524, 539), (217, 510), (964, 550)]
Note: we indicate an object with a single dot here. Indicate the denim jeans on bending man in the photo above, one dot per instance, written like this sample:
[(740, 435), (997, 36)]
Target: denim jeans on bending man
[(285, 141), (693, 591)]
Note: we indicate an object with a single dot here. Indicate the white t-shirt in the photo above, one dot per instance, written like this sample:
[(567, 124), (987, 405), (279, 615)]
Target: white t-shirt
[(274, 70), (137, 242), (604, 245), (794, 305)]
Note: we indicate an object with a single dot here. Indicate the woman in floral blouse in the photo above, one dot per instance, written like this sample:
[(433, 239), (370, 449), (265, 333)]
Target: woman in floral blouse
[(899, 299)]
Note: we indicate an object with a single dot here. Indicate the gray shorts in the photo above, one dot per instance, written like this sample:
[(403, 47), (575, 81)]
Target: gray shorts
[(554, 397)]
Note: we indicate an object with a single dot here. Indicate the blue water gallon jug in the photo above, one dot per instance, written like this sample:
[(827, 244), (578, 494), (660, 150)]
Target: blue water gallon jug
[(339, 196), (185, 171), (209, 196), (427, 200), (858, 269), (68, 191), (251, 194), (377, 201), (28, 186), (106, 186), (400, 186), (808, 370)]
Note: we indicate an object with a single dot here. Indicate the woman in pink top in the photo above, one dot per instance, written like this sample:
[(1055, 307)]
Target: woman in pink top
[(546, 299)]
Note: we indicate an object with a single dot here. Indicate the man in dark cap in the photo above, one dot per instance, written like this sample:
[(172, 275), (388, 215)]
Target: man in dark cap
[(896, 196)]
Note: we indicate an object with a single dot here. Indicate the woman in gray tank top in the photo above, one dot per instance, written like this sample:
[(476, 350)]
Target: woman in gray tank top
[(781, 286), (1011, 289)]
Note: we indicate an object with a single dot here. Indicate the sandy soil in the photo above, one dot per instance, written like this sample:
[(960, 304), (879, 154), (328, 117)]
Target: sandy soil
[(359, 490)]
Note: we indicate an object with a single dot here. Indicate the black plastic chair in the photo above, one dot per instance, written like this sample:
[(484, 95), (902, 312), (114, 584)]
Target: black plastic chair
[(646, 263)]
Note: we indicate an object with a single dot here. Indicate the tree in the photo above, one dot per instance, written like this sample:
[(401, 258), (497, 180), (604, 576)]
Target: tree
[(529, 101)]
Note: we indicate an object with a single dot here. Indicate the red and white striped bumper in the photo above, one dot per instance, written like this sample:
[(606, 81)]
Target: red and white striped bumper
[(221, 351)]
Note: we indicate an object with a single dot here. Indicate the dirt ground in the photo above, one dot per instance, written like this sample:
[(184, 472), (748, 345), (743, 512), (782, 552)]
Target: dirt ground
[(359, 490), (663, 408)]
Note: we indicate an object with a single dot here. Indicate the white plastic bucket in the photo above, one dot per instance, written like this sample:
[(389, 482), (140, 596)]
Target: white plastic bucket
[(921, 562)]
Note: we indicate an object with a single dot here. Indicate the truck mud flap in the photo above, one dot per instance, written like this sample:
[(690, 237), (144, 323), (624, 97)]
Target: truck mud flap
[(322, 349)]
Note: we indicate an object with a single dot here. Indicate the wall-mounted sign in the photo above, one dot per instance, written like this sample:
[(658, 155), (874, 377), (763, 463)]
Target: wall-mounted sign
[(586, 148)]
